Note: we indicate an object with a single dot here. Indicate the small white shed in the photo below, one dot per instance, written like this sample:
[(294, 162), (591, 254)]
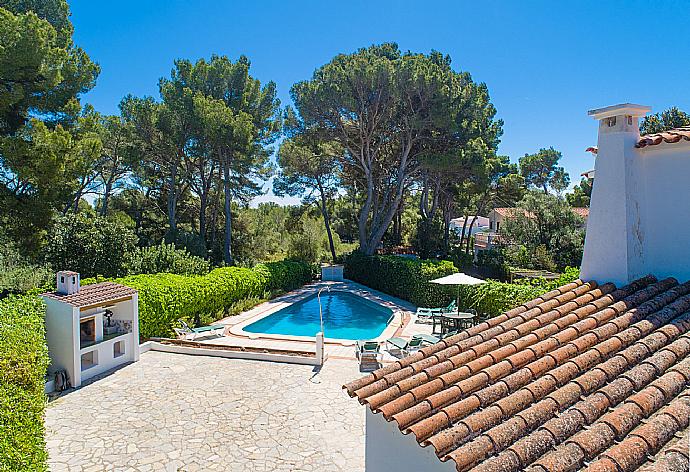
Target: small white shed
[(90, 329)]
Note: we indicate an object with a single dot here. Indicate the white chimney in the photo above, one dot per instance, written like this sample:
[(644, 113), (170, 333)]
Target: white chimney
[(68, 282), (614, 244)]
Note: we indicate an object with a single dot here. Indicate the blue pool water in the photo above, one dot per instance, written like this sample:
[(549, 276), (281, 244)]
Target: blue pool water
[(345, 316)]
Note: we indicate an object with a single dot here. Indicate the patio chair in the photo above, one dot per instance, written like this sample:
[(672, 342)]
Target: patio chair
[(404, 346), (449, 334), (428, 338), (368, 351), (189, 333), (426, 314)]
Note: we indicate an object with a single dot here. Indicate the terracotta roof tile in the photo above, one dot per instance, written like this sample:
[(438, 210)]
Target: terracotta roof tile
[(551, 385), (671, 136), (94, 295)]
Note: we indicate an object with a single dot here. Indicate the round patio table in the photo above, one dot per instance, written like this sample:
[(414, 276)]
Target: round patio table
[(456, 321)]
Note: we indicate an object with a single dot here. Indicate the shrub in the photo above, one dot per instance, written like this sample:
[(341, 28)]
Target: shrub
[(89, 244), (23, 364), (165, 298), (409, 279), (493, 298), (286, 275), (402, 277), (17, 274), (165, 258)]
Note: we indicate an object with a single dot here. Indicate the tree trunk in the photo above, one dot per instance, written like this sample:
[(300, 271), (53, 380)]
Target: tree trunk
[(327, 220), (203, 203), (469, 239), (172, 198), (446, 230), (108, 189), (227, 248)]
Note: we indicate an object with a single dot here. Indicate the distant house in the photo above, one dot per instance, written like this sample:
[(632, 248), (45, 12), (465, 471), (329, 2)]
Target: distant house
[(474, 224), (591, 376), (497, 216)]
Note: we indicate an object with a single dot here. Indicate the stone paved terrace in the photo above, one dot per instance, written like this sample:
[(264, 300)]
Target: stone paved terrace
[(173, 412)]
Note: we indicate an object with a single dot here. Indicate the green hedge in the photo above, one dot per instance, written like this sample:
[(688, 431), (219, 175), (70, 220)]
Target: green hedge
[(165, 298), (402, 277), (493, 298), (409, 279), (23, 364)]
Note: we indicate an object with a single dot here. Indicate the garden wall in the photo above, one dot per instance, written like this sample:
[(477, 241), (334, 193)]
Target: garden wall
[(23, 364)]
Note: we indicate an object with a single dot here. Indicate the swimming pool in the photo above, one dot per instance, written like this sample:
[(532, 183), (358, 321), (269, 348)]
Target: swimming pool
[(345, 316)]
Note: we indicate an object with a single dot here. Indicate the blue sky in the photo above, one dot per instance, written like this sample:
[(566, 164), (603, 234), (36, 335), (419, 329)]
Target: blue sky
[(545, 63)]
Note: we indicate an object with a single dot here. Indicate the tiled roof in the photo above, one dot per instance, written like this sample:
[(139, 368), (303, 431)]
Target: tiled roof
[(671, 136), (512, 212), (582, 211), (94, 294), (507, 211), (585, 377)]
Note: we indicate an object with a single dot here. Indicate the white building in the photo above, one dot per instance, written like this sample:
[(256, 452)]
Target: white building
[(92, 329), (474, 224), (641, 192)]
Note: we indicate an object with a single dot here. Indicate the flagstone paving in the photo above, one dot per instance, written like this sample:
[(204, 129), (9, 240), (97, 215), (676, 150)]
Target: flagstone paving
[(172, 412)]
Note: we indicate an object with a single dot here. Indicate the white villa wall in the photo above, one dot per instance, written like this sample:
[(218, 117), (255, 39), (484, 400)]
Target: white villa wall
[(639, 220), (60, 333), (388, 450), (666, 213)]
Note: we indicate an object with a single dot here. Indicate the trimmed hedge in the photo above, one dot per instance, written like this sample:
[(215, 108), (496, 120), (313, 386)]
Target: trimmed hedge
[(23, 364), (164, 298), (402, 277), (409, 279)]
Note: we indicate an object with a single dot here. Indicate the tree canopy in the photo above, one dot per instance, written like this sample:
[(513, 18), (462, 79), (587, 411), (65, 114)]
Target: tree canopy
[(541, 170), (664, 121), (392, 113)]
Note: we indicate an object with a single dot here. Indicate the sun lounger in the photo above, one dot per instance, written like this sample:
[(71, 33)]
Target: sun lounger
[(404, 346), (189, 333), (428, 338), (368, 350), (428, 313)]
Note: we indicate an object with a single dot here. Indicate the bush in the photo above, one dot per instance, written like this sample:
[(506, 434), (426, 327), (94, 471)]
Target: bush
[(89, 244), (165, 298), (165, 258), (402, 277), (409, 279), (23, 364), (17, 274), (570, 274), (493, 298)]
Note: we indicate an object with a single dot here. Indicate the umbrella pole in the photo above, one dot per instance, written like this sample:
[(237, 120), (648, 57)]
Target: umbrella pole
[(457, 301)]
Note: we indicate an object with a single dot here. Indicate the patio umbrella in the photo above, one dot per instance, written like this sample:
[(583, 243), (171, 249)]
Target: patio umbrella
[(458, 279)]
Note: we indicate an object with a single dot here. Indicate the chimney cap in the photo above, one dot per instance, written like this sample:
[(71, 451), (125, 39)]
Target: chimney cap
[(630, 109)]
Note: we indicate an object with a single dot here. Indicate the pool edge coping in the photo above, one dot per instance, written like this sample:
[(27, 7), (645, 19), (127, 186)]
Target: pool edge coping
[(397, 321)]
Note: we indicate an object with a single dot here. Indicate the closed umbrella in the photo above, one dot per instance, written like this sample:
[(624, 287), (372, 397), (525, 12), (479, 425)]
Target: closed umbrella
[(458, 279)]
